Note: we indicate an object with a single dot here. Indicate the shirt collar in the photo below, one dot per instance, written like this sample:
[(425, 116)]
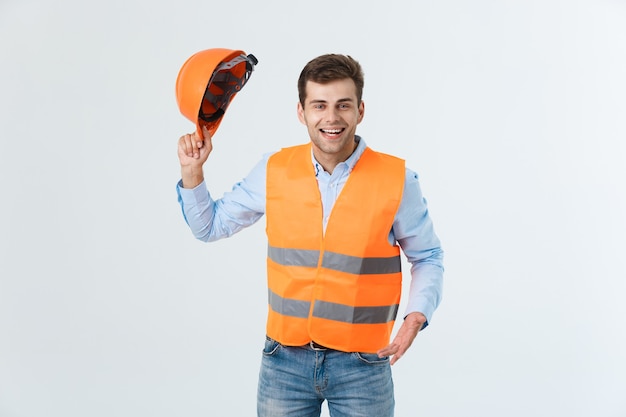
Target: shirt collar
[(352, 159)]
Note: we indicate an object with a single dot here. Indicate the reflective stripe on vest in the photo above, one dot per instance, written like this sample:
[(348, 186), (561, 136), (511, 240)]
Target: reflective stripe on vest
[(339, 287), (334, 261), (332, 311)]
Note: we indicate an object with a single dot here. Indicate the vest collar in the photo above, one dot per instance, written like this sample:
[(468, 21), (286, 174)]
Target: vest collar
[(351, 161)]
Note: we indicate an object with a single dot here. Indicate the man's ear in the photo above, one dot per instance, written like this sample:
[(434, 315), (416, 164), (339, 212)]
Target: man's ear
[(361, 112), (301, 114)]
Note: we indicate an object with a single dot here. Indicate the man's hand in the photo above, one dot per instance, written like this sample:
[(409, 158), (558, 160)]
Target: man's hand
[(403, 340), (193, 152)]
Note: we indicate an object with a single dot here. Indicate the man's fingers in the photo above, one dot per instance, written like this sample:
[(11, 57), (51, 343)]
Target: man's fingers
[(389, 350), (395, 358), (400, 351), (184, 144), (189, 145), (395, 350), (196, 143), (198, 140), (404, 339), (208, 143)]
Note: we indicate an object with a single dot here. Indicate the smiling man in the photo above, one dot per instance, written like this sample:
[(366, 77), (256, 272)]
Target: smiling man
[(338, 216), (331, 112)]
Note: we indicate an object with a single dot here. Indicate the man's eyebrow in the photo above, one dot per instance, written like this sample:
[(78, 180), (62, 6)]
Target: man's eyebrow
[(341, 100)]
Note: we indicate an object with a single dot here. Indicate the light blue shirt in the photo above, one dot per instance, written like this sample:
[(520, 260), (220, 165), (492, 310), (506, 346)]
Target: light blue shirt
[(244, 205)]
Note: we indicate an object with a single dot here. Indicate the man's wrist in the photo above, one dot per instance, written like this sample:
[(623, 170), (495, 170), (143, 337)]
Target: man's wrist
[(192, 177), (417, 318)]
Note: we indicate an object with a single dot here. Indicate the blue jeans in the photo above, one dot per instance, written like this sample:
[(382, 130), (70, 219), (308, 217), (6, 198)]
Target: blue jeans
[(294, 381)]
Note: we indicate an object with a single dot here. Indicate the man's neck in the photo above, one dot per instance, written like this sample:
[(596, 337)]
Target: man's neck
[(330, 161)]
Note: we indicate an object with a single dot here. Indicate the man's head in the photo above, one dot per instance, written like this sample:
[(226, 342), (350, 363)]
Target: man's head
[(330, 106), (331, 67)]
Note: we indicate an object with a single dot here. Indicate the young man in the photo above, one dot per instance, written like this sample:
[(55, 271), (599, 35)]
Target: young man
[(337, 215)]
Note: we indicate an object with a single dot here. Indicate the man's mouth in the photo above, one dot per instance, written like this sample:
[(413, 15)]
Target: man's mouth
[(332, 132)]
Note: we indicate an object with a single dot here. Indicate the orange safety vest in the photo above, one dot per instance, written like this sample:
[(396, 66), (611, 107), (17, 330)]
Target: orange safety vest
[(340, 288)]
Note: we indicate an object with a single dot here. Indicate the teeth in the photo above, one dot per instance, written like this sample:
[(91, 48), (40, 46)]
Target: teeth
[(331, 130)]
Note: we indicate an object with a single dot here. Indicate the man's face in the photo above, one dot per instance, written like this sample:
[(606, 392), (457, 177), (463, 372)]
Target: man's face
[(331, 114)]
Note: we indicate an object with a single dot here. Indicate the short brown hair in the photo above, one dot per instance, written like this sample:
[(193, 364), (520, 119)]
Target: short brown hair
[(331, 67)]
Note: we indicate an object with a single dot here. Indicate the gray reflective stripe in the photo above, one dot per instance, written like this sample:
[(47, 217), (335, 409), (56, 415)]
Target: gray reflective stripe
[(355, 315), (335, 261), (361, 266), (287, 306), (294, 257)]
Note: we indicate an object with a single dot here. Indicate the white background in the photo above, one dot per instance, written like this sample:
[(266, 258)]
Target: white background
[(512, 112)]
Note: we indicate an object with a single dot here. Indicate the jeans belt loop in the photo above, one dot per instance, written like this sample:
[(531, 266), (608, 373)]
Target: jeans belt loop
[(315, 346)]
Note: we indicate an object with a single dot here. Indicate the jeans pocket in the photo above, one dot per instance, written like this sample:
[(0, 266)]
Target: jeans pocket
[(271, 346), (371, 358)]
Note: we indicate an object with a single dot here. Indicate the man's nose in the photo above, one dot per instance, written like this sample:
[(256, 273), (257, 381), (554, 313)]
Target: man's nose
[(331, 115)]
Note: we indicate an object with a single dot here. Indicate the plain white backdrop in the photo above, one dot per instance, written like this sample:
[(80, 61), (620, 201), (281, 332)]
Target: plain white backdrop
[(512, 112)]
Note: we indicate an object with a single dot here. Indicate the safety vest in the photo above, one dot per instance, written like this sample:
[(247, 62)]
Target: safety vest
[(340, 288)]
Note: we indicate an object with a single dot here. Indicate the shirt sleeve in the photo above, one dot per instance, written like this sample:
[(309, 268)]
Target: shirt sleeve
[(414, 231), (211, 220)]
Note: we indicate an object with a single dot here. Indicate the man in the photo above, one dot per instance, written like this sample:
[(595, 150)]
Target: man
[(336, 213)]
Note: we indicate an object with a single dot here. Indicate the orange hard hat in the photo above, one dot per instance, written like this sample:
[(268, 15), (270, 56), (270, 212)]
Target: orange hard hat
[(208, 81)]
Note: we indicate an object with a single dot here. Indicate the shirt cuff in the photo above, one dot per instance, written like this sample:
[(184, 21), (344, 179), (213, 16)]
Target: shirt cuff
[(192, 196), (421, 305)]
